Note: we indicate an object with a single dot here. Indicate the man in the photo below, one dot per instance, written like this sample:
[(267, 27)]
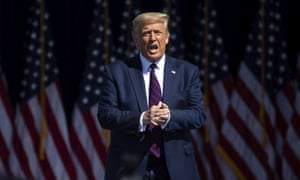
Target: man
[(149, 109)]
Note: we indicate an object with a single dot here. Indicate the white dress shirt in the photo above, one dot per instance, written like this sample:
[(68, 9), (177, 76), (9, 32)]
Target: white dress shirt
[(159, 73)]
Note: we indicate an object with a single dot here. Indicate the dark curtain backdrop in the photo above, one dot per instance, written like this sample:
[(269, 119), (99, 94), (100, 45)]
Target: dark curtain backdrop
[(70, 25)]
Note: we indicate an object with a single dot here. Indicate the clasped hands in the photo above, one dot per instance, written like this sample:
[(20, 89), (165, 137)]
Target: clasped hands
[(157, 114)]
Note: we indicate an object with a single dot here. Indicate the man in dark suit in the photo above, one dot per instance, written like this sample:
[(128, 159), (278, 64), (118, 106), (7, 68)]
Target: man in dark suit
[(149, 109)]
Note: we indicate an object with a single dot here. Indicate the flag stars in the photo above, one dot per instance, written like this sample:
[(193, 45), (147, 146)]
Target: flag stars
[(270, 51), (225, 68), (85, 100), (50, 55), (97, 92), (211, 25), (219, 41), (51, 43), (217, 52), (100, 28), (269, 76), (93, 64), (35, 74), (38, 51), (95, 52), (283, 56), (269, 64), (87, 88), (33, 86), (98, 40), (90, 76), (99, 80), (35, 23), (249, 48), (212, 76), (271, 39)]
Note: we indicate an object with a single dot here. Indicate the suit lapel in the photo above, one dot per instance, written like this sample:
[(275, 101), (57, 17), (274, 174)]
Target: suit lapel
[(137, 81), (169, 79)]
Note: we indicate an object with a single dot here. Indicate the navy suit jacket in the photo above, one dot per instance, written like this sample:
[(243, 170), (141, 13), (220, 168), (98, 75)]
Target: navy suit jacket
[(123, 99)]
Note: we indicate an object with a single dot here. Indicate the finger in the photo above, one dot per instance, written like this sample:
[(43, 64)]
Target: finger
[(163, 105)]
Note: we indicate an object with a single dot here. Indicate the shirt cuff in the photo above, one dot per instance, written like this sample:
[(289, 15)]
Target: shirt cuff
[(165, 124), (142, 127)]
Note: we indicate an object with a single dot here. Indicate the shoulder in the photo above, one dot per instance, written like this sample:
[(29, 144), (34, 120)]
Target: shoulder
[(181, 63), (124, 64)]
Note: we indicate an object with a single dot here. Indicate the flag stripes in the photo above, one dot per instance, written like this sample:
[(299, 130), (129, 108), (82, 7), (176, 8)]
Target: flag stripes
[(237, 141)]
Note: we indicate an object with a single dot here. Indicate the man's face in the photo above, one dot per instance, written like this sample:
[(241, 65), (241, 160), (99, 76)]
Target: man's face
[(152, 40)]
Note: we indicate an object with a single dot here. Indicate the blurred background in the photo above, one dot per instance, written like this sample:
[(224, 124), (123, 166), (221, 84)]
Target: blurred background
[(70, 23), (230, 41)]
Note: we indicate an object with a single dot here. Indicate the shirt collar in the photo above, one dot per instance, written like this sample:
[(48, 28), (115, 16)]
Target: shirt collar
[(146, 64)]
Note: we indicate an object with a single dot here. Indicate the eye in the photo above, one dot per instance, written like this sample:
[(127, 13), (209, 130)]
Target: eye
[(146, 33)]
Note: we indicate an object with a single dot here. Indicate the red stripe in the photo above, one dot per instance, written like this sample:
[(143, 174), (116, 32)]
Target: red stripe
[(95, 135), (81, 154), (215, 110), (5, 100), (21, 156), (30, 124), (228, 84), (201, 168), (58, 139), (154, 83), (155, 91), (249, 139), (236, 158), (292, 160), (4, 153), (211, 156), (253, 105)]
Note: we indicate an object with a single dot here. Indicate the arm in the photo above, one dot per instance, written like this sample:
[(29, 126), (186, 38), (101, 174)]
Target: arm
[(112, 112), (187, 107)]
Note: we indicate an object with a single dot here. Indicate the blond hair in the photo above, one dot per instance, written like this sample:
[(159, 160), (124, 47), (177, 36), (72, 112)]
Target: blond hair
[(149, 17)]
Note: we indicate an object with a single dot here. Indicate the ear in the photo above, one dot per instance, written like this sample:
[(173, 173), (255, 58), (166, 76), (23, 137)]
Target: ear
[(167, 39)]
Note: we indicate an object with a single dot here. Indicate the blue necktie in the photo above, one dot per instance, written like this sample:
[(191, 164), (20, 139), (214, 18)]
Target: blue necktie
[(154, 98)]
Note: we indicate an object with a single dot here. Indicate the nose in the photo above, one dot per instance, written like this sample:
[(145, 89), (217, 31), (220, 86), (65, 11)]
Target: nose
[(152, 35)]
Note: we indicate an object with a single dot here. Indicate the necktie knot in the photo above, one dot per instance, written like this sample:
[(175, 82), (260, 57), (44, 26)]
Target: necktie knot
[(153, 66)]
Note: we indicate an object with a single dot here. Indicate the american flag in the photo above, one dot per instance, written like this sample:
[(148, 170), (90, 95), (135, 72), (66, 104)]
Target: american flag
[(217, 85), (285, 94), (176, 46), (87, 136), (249, 132), (41, 143), (290, 154), (125, 47), (6, 129)]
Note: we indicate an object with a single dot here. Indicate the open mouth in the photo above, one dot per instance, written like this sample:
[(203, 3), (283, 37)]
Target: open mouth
[(153, 48)]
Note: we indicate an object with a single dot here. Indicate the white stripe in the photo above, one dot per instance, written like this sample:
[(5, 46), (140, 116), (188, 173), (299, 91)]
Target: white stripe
[(293, 141), (243, 150), (285, 107), (50, 148), (86, 141), (247, 117), (27, 144), (287, 171), (58, 111), (199, 148), (222, 98), (52, 151), (6, 126), (255, 88)]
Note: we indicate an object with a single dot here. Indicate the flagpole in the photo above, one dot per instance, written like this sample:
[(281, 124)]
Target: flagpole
[(42, 82)]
